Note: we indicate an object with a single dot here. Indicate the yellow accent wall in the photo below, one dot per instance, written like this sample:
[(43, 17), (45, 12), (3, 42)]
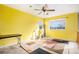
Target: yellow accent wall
[(13, 21), (70, 33)]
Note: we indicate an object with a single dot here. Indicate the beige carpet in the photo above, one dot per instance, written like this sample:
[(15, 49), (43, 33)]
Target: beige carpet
[(12, 50)]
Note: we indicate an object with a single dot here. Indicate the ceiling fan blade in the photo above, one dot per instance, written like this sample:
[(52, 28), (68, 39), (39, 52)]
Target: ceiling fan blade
[(46, 6), (37, 9), (51, 10), (39, 13)]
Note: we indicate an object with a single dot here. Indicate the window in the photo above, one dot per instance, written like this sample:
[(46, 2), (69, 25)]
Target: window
[(57, 24), (40, 23)]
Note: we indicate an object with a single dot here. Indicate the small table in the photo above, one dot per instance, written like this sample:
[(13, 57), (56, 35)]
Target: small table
[(18, 36), (10, 36)]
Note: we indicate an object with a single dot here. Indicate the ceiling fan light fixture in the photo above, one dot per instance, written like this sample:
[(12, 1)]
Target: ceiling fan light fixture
[(44, 9)]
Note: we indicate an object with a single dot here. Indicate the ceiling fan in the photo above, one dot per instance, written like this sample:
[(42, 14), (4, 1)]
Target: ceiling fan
[(44, 9)]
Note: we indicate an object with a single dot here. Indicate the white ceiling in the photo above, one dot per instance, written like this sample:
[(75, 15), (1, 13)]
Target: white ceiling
[(59, 9)]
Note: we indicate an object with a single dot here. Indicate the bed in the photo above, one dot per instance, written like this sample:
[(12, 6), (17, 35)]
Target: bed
[(55, 45)]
